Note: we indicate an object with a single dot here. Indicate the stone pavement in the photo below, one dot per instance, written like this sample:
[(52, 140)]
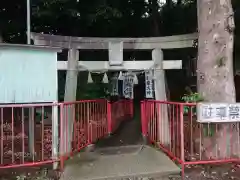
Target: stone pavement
[(115, 163), (121, 157)]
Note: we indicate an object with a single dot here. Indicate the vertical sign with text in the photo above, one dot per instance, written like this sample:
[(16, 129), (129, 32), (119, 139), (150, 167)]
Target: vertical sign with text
[(149, 84), (128, 85)]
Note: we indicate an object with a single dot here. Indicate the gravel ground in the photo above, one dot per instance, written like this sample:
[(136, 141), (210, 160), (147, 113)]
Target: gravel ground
[(35, 173)]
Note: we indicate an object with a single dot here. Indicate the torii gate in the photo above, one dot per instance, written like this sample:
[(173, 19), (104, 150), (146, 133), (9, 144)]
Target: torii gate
[(115, 47)]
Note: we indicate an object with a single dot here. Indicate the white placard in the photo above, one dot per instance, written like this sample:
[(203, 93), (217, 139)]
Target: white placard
[(218, 112), (128, 85), (28, 75), (115, 53), (149, 84)]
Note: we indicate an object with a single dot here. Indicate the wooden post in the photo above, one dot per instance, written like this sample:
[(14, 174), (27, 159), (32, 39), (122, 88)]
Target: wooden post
[(160, 94), (70, 94)]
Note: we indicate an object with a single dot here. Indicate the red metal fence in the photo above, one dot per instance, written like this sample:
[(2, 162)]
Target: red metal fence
[(89, 124), (25, 130), (174, 128), (28, 137)]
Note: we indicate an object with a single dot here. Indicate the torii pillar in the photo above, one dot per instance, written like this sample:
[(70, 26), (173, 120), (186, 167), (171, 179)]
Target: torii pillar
[(70, 96), (160, 94)]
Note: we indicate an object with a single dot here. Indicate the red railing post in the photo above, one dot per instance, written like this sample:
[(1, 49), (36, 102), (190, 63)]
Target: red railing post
[(89, 124), (182, 139), (131, 108), (143, 120), (109, 117)]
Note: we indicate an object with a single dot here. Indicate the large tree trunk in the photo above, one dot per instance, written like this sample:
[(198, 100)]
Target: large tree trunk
[(1, 39), (179, 2), (154, 7), (215, 66), (169, 2)]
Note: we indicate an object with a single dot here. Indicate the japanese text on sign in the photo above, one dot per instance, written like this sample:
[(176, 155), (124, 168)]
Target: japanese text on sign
[(216, 112), (128, 86), (149, 84)]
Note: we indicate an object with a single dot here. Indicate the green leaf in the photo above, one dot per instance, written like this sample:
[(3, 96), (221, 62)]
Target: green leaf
[(185, 109)]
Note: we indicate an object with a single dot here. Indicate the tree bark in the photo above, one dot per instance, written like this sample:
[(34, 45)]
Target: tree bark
[(179, 2), (1, 39), (215, 65), (154, 17), (169, 2)]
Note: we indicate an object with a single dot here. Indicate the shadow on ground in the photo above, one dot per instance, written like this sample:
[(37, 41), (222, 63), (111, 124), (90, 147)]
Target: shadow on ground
[(128, 133)]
